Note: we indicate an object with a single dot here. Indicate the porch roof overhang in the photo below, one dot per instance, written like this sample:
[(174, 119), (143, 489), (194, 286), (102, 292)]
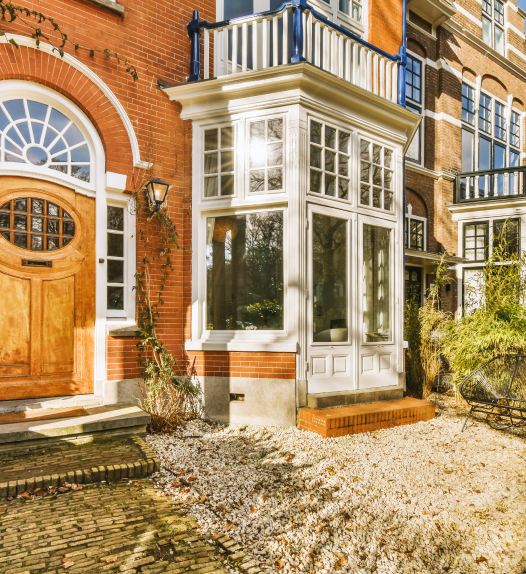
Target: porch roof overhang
[(429, 258), (436, 12), (301, 83)]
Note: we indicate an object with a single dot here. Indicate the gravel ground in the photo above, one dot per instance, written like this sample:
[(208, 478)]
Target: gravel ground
[(420, 498)]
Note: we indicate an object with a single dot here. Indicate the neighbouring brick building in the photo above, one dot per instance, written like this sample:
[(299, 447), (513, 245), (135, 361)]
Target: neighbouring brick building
[(467, 79), (282, 131)]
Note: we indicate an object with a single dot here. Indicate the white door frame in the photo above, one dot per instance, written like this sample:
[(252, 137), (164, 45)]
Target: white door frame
[(331, 365)]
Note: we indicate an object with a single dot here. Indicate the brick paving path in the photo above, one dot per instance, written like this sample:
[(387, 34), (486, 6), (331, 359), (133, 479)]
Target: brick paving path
[(64, 457), (143, 532)]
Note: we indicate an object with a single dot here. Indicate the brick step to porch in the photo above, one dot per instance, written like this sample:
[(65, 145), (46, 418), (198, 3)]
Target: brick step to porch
[(98, 423), (341, 421)]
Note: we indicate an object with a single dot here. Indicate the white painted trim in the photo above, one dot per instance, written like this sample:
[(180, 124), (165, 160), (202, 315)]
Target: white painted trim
[(97, 80), (443, 116), (431, 63), (115, 181), (510, 26), (441, 64), (512, 6), (467, 14), (429, 172), (515, 51)]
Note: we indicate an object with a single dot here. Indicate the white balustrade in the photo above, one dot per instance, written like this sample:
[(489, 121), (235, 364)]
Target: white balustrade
[(260, 42)]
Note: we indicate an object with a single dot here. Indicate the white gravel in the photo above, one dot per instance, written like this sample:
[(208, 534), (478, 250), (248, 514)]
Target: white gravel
[(422, 498)]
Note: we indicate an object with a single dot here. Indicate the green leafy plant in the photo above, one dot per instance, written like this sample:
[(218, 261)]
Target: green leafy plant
[(494, 318), (45, 28), (424, 328), (168, 392)]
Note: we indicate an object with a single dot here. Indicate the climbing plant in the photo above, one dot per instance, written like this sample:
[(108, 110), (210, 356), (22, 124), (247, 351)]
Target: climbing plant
[(46, 28), (168, 393)]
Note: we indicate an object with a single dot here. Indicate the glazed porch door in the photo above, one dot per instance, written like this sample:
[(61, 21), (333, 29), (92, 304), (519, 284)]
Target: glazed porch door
[(47, 281), (329, 312)]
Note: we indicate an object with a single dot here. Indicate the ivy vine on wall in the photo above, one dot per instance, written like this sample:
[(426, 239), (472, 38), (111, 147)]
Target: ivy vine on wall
[(45, 28), (168, 393)]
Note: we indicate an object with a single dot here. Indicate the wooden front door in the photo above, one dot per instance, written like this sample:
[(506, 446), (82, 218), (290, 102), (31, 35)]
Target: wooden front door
[(47, 286)]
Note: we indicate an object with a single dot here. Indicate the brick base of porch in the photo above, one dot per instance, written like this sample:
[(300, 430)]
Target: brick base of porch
[(341, 421)]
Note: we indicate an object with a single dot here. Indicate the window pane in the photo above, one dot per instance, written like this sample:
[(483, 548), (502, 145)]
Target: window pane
[(468, 104), (376, 262), (484, 154), (329, 281), (115, 245), (413, 151), (486, 30), (115, 218), (499, 40), (115, 271), (468, 139), (115, 298), (245, 272), (210, 140), (226, 137)]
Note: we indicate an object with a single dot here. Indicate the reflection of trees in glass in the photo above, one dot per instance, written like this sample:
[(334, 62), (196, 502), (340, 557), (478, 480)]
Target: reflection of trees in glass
[(245, 271), (376, 262), (329, 257)]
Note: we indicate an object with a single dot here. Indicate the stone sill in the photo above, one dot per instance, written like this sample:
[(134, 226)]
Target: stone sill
[(109, 4), (128, 331)]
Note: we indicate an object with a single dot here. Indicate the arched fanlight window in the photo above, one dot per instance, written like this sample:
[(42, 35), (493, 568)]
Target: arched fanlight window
[(38, 134)]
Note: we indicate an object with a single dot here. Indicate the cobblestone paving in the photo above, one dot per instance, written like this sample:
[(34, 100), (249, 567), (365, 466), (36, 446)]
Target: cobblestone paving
[(64, 457), (124, 528)]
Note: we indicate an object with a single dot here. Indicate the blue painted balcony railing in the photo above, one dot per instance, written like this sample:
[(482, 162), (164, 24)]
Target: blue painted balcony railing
[(505, 183), (294, 33)]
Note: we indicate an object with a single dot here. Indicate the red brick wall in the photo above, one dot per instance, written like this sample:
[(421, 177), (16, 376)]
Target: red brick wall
[(385, 25), (121, 358), (154, 38), (250, 365)]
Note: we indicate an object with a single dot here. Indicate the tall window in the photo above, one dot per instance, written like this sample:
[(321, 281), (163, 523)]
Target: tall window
[(244, 271), (486, 144), (116, 261), (476, 241), (493, 24), (329, 160), (414, 101)]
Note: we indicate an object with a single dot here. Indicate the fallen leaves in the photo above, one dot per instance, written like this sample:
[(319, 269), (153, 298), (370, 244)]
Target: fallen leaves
[(67, 563), (228, 525), (481, 559), (109, 559)]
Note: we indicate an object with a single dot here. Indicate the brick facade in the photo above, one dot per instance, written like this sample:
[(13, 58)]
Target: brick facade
[(450, 54), (249, 365)]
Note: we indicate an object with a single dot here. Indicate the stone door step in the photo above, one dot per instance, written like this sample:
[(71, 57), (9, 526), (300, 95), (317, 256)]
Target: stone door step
[(51, 403), (40, 415), (356, 419), (99, 423)]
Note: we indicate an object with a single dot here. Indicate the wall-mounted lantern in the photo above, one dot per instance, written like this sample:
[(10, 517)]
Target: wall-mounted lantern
[(156, 191)]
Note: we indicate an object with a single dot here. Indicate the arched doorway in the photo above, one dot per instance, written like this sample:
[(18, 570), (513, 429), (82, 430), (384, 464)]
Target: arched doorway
[(48, 185)]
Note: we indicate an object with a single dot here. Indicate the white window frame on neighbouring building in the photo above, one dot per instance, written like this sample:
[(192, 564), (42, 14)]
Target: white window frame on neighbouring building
[(409, 220), (415, 101), (493, 24)]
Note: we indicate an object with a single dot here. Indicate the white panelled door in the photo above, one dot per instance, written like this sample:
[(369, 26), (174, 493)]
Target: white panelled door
[(330, 363)]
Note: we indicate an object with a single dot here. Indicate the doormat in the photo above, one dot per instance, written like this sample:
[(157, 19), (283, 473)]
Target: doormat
[(41, 414)]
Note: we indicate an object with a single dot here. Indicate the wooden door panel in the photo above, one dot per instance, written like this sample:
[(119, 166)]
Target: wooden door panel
[(47, 327), (58, 326), (15, 350)]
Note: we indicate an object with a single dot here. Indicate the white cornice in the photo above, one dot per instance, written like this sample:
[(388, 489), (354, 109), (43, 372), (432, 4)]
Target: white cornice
[(441, 64), (428, 172), (421, 30), (510, 26), (97, 80), (485, 205), (512, 48), (295, 84), (443, 116), (478, 44), (467, 14)]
